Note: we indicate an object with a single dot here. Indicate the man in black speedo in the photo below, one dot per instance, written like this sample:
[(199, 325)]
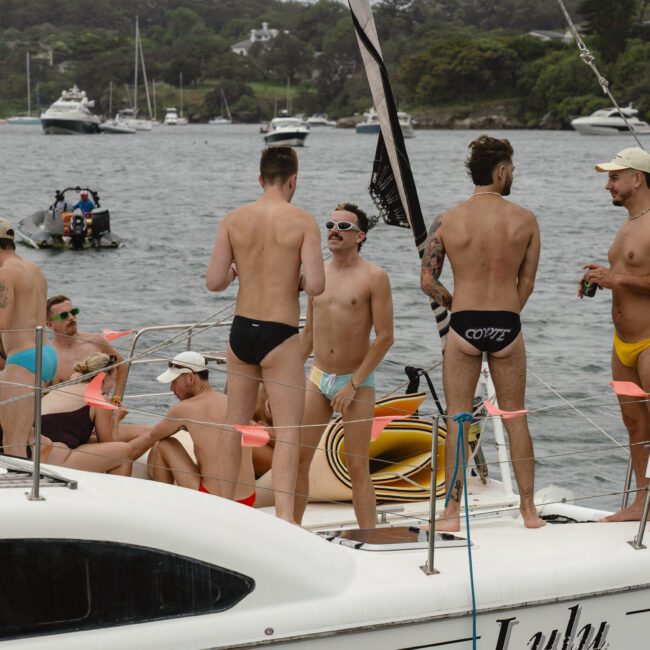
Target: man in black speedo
[(493, 246), (274, 249)]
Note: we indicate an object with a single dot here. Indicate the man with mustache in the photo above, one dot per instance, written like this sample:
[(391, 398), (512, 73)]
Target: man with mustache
[(356, 300), (493, 246), (628, 277)]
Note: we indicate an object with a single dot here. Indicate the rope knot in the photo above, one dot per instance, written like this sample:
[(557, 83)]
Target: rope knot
[(463, 416)]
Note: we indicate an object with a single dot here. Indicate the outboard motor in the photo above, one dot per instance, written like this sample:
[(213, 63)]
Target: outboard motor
[(78, 230)]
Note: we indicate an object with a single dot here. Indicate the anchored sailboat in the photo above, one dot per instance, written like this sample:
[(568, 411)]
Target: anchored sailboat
[(27, 119), (225, 117)]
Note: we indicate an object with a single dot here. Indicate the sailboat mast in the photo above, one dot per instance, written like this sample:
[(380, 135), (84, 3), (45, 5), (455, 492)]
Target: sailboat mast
[(135, 81), (110, 98), (153, 92), (144, 77), (181, 81), (29, 89)]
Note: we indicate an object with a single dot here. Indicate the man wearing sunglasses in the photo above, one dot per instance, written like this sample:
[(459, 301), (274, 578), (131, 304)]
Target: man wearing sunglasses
[(356, 300), (269, 240), (23, 290), (169, 462), (73, 345)]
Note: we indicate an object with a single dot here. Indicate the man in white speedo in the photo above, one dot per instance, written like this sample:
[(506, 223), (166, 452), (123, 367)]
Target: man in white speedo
[(357, 298)]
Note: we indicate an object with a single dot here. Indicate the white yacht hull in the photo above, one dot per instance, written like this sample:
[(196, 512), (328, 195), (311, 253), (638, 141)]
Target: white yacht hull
[(573, 586), (611, 126), (58, 126), (287, 138)]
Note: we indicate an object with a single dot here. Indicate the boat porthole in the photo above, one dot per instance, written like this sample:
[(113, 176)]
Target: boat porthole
[(269, 631)]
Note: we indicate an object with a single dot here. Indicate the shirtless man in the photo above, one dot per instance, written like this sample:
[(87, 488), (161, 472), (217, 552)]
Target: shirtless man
[(628, 277), (168, 461), (357, 298), (72, 345), (23, 291), (493, 246), (270, 241)]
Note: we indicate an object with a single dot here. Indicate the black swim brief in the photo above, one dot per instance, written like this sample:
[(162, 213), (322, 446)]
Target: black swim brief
[(251, 340), (487, 331)]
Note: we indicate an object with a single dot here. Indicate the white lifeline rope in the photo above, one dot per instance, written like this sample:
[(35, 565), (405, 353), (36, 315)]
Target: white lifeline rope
[(588, 58)]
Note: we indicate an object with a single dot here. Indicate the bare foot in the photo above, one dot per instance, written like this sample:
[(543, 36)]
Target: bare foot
[(631, 513), (531, 518), (448, 522)]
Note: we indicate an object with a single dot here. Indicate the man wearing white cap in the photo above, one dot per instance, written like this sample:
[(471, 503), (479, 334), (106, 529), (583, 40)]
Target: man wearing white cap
[(169, 461), (23, 293), (84, 204), (628, 277)]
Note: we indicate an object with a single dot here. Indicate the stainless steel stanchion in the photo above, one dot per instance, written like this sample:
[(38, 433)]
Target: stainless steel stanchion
[(429, 568), (628, 483), (637, 542), (35, 496)]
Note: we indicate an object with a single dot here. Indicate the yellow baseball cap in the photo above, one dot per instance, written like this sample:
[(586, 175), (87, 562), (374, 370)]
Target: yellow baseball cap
[(630, 158)]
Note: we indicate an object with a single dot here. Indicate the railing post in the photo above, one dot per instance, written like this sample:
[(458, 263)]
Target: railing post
[(429, 568), (637, 542), (38, 391), (628, 482)]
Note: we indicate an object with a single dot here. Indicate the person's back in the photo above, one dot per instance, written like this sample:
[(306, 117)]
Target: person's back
[(486, 239), (267, 239), (29, 294), (274, 247), (493, 246)]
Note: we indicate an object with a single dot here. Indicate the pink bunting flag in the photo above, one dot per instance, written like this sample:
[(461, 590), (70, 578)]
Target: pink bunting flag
[(493, 410), (110, 335), (380, 422), (628, 388), (93, 394), (252, 436)]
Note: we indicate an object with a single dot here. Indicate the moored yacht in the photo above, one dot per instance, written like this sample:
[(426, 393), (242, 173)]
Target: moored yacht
[(171, 117), (290, 131), (70, 114), (406, 123), (609, 121), (127, 118), (320, 119), (369, 124)]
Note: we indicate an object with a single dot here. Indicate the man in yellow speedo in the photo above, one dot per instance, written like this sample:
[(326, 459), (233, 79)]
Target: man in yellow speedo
[(629, 279)]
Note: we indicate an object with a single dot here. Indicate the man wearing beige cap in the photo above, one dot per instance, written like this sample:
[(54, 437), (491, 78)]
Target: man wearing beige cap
[(23, 293), (628, 277), (199, 411)]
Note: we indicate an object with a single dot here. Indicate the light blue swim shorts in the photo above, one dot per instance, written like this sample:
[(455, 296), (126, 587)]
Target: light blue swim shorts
[(330, 384)]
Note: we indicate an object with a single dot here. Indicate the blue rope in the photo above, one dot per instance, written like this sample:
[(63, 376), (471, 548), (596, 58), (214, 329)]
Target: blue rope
[(461, 418)]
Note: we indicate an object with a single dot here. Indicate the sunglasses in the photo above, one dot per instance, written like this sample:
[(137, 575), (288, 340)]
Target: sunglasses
[(65, 314), (112, 359), (171, 364), (342, 226)]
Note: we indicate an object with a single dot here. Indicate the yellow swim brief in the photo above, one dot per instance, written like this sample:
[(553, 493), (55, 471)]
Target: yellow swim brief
[(628, 353)]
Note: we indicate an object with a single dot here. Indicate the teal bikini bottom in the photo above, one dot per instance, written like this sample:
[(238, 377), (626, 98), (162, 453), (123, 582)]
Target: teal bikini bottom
[(27, 359)]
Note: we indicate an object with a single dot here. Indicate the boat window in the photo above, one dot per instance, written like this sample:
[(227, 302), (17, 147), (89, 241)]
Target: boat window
[(55, 586)]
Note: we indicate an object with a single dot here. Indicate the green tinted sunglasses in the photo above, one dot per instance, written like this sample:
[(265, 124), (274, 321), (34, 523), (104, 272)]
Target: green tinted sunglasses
[(65, 314)]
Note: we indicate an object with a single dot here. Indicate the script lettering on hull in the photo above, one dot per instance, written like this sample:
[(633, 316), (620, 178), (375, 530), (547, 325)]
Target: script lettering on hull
[(573, 637)]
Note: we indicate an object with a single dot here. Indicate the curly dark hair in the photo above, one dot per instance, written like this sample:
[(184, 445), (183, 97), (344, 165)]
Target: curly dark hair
[(485, 154), (362, 217)]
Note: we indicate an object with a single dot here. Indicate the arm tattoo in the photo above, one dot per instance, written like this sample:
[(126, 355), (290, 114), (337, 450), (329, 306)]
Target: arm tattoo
[(3, 295), (432, 261)]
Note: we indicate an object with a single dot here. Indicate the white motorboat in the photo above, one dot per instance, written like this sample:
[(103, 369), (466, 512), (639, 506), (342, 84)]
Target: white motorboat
[(290, 131), (369, 124), (320, 119), (115, 128), (127, 118), (171, 117), (407, 124), (609, 121), (70, 114)]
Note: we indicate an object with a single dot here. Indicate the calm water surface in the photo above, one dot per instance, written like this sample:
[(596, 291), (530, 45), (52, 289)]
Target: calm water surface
[(169, 189)]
